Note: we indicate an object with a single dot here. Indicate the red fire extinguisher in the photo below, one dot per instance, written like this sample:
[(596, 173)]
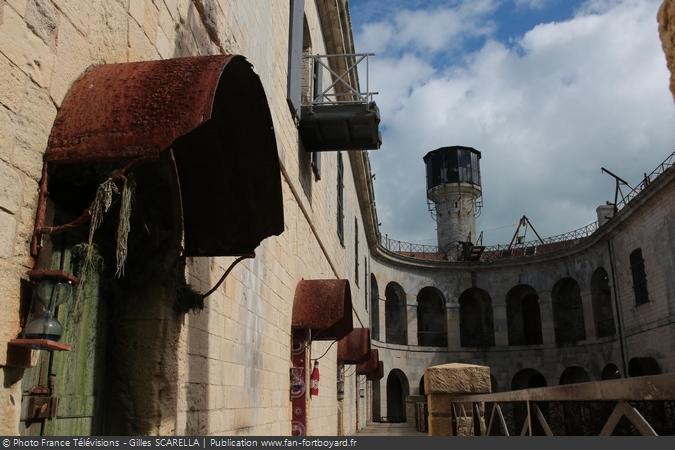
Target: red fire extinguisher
[(314, 379)]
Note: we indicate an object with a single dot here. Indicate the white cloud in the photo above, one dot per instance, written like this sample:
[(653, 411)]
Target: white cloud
[(569, 98), (532, 4), (428, 30)]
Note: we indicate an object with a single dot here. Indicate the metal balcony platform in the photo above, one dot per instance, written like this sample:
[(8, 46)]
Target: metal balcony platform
[(341, 126)]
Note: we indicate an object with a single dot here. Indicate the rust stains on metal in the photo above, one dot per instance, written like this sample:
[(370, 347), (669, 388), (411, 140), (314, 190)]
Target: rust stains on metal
[(212, 112), (324, 307), (124, 111), (378, 373), (52, 274), (370, 365), (355, 347)]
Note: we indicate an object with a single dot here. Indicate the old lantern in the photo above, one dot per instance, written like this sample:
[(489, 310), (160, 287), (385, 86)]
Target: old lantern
[(51, 288)]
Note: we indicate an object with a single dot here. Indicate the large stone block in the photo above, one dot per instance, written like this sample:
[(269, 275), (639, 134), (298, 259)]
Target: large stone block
[(456, 378), (666, 18), (42, 18), (72, 53), (7, 234), (10, 189), (26, 50)]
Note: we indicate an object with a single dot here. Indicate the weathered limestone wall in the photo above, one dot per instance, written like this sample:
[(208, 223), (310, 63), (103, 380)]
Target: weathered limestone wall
[(649, 328), (234, 356), (666, 18)]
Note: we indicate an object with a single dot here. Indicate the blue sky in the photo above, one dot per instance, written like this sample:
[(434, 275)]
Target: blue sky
[(548, 90)]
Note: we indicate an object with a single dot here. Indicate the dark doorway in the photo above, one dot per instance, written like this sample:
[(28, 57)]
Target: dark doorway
[(377, 415), (524, 318), (396, 320), (577, 416), (610, 372), (476, 328), (602, 303), (568, 313), (374, 308), (431, 318), (527, 379), (642, 367), (397, 392)]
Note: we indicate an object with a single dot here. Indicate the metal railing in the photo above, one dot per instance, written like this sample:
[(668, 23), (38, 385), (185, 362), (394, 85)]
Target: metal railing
[(628, 406), (532, 247), (646, 181), (342, 90)]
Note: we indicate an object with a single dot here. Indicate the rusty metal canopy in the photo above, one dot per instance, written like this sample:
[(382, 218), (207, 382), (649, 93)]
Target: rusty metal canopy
[(378, 373), (355, 347), (324, 307), (212, 112), (370, 365)]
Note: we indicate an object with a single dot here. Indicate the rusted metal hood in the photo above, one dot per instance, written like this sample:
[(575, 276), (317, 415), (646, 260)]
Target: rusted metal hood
[(369, 365), (355, 347), (212, 112), (378, 373), (324, 307)]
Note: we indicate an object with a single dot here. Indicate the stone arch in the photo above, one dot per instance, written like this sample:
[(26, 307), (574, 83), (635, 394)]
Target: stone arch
[(523, 316), (397, 392), (374, 308), (421, 387), (574, 374), (476, 326), (610, 372), (602, 303), (527, 379), (568, 313), (396, 318), (577, 416), (641, 367), (431, 318)]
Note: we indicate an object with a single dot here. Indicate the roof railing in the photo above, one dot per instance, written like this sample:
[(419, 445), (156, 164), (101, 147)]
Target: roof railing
[(342, 90)]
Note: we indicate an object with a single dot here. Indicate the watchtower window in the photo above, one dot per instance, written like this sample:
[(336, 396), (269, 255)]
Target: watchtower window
[(637, 267)]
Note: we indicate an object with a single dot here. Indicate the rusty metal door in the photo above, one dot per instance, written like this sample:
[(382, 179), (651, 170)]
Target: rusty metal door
[(72, 380)]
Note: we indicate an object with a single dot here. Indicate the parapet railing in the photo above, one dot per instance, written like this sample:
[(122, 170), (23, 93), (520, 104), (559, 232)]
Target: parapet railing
[(532, 247), (627, 406), (646, 181), (341, 90)]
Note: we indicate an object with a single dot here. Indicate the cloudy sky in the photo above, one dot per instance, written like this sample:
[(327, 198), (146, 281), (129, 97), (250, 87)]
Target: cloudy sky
[(549, 91)]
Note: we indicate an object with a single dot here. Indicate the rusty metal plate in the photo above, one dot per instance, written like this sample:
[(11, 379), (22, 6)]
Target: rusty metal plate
[(378, 373), (355, 347), (324, 307), (213, 112), (370, 365)]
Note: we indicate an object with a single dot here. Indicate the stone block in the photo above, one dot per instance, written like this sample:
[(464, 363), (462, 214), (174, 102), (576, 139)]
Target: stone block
[(440, 426), (43, 19), (456, 378), (140, 47), (108, 31), (25, 49), (10, 189), (72, 53), (7, 234)]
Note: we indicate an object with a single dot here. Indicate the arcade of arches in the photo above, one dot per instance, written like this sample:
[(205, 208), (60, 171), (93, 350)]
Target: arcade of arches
[(476, 323)]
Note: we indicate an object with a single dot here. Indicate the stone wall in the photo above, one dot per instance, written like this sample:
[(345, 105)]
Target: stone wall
[(666, 20), (649, 328), (234, 356)]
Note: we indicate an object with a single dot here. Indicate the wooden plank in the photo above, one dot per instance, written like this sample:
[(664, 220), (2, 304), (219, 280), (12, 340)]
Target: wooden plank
[(542, 420), (492, 418), (638, 420), (613, 420), (651, 388), (480, 418), (502, 421), (527, 425)]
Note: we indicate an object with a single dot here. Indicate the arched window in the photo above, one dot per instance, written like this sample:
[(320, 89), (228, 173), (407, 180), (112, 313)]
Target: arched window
[(431, 318), (527, 379), (577, 416), (377, 417), (610, 372), (397, 392), (476, 328), (568, 313), (396, 320), (641, 367), (602, 303), (637, 268), (524, 318), (374, 308)]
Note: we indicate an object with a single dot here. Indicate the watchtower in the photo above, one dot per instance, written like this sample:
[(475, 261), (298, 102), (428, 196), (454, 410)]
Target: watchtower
[(454, 194)]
